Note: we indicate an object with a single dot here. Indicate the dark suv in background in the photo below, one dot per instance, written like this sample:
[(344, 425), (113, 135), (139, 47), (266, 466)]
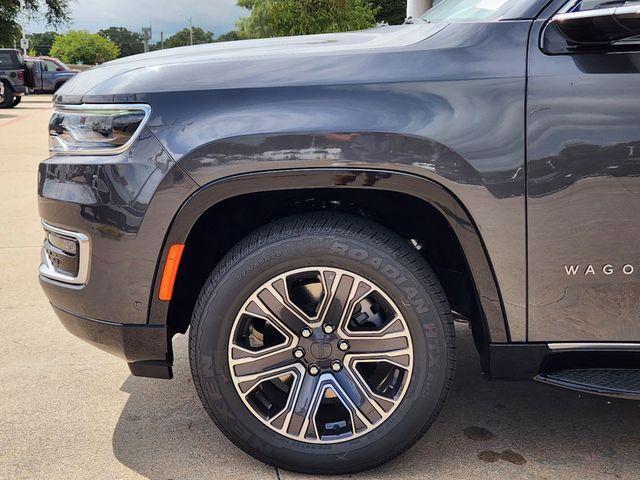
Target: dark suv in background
[(13, 77), (317, 210)]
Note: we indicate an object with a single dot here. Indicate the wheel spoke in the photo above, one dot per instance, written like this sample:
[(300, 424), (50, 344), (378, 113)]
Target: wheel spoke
[(299, 406), (256, 366), (376, 346), (358, 292), (358, 398), (339, 298), (278, 308)]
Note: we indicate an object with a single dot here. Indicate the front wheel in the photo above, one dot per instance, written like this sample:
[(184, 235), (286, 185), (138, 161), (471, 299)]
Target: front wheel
[(322, 344), (16, 100)]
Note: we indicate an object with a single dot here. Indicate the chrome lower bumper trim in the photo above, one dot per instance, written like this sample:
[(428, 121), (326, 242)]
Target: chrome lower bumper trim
[(84, 253)]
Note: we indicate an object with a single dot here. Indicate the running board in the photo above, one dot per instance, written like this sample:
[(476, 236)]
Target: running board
[(621, 383)]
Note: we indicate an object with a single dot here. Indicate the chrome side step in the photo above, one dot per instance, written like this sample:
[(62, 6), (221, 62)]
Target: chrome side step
[(621, 383)]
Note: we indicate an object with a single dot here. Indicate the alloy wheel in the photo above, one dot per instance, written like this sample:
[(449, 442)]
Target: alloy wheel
[(320, 355)]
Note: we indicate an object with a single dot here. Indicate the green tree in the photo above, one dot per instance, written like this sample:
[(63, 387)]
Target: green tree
[(276, 18), (54, 12), (80, 46), (392, 12), (129, 43), (183, 38), (41, 43), (228, 37)]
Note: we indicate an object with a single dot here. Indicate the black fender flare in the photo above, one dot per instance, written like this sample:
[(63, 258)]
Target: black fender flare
[(348, 178), (4, 79)]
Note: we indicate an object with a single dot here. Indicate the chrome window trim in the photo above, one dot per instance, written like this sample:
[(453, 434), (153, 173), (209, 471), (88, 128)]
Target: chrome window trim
[(104, 106), (84, 252), (600, 12), (628, 9), (593, 346)]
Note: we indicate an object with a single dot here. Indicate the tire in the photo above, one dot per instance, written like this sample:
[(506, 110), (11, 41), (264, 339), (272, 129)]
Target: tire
[(16, 100), (57, 86), (403, 292), (6, 95)]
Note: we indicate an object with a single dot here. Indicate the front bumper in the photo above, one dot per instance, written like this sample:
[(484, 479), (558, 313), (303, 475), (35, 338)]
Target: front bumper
[(123, 205), (117, 209), (144, 347)]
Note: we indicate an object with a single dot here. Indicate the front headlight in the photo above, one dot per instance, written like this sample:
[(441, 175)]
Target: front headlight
[(95, 129)]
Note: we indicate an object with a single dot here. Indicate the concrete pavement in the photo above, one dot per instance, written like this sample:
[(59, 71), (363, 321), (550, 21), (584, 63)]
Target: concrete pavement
[(70, 411)]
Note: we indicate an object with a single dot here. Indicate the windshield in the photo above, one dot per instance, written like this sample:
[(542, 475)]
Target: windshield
[(461, 10), (62, 64)]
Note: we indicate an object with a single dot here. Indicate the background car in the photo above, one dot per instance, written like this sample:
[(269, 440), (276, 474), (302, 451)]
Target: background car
[(48, 73), (55, 64)]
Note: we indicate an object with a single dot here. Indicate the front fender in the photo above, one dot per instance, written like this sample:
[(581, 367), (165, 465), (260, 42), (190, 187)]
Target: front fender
[(449, 112), (425, 190), (494, 199)]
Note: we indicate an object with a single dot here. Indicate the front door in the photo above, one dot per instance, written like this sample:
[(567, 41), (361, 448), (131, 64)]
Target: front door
[(49, 75), (583, 170)]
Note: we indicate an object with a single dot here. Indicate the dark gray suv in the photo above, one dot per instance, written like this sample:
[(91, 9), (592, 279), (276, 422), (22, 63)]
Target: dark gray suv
[(317, 210), (13, 77)]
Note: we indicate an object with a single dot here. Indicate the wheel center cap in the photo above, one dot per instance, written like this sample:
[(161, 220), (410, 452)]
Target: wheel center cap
[(321, 349)]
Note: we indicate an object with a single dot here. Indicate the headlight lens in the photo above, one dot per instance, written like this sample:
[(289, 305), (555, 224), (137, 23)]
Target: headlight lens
[(95, 129)]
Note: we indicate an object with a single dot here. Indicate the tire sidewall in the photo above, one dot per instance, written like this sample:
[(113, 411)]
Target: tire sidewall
[(236, 283)]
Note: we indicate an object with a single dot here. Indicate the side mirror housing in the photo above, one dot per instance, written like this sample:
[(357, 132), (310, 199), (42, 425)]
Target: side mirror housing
[(59, 69), (600, 26)]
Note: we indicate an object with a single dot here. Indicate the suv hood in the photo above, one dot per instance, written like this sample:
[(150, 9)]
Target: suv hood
[(236, 64)]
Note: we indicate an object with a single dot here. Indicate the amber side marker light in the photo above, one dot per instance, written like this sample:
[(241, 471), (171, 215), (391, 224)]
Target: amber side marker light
[(170, 271)]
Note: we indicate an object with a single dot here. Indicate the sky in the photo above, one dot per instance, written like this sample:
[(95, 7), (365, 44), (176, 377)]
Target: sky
[(168, 16)]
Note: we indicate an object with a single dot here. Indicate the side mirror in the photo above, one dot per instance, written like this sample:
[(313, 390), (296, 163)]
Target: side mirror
[(59, 69), (600, 26)]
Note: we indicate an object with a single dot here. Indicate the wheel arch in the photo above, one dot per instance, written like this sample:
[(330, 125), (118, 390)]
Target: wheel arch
[(58, 84), (6, 81), (491, 326)]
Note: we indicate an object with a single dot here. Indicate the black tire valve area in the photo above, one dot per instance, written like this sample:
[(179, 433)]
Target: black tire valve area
[(316, 354)]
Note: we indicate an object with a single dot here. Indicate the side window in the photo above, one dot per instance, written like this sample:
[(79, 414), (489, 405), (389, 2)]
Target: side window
[(50, 66), (6, 60)]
